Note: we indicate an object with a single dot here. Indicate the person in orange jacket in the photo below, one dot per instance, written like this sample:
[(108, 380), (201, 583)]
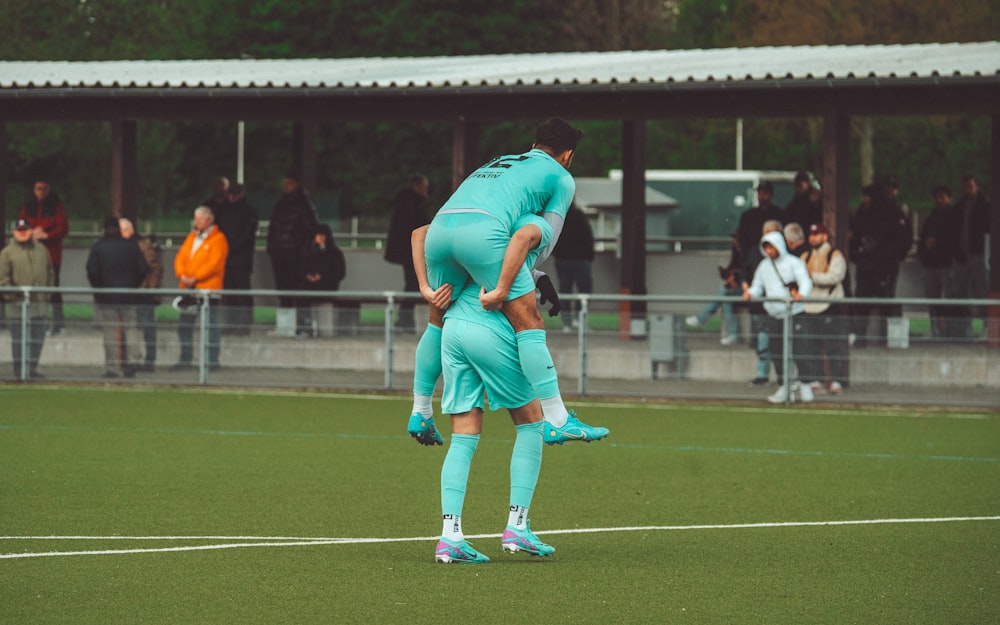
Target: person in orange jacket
[(201, 264)]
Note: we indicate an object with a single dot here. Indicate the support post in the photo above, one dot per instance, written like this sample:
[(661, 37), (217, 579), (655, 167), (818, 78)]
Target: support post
[(633, 240), (123, 169), (465, 137), (993, 315), (836, 190)]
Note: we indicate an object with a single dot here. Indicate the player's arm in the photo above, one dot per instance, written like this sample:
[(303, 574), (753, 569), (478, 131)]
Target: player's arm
[(439, 298), (556, 221), (524, 240)]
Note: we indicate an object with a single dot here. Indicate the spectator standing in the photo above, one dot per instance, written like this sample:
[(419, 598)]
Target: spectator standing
[(218, 199), (795, 239), (201, 264), (904, 233), (936, 251), (238, 221), (323, 268), (970, 277), (574, 254), (146, 304), (752, 223), (293, 222), (758, 316), (782, 275), (409, 212), (731, 287), (804, 209), (47, 216), (824, 331), (876, 232), (116, 262), (25, 262)]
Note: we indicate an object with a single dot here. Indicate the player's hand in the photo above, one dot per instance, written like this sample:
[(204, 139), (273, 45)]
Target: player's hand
[(549, 294), (439, 298), (492, 300)]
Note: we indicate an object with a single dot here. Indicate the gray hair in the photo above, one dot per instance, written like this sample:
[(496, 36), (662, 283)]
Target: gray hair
[(205, 211), (794, 233), (771, 225)]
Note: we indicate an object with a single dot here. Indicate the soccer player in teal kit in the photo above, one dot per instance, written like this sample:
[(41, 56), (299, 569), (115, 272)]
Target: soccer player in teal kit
[(479, 355), (474, 237)]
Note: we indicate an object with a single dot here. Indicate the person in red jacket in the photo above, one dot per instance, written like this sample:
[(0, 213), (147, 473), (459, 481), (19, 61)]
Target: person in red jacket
[(47, 216), (201, 264)]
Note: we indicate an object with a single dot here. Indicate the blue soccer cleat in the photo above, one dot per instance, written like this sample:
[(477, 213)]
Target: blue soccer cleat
[(572, 430), (515, 540), (458, 552), (423, 430)]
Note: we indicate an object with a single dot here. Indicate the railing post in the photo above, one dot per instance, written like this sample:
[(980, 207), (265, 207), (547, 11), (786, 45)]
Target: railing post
[(25, 332), (581, 383), (389, 340), (202, 338), (786, 355)]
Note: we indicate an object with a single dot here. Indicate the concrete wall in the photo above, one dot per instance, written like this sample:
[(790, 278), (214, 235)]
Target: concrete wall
[(685, 273)]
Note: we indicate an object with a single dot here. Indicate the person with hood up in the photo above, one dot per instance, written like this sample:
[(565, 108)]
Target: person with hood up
[(781, 275)]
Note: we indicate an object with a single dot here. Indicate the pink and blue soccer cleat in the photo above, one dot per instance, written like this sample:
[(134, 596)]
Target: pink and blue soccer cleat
[(458, 552), (515, 540)]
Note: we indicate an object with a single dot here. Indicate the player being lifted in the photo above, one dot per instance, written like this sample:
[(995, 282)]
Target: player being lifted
[(475, 238)]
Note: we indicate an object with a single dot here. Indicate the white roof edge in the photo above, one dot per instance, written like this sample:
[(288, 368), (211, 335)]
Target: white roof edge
[(936, 61)]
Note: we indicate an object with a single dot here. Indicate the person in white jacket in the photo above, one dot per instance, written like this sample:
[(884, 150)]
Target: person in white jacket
[(782, 275)]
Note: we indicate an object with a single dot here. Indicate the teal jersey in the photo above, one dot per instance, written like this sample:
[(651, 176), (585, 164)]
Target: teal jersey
[(468, 308), (513, 186)]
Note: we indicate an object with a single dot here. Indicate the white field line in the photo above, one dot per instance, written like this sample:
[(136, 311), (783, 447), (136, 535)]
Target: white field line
[(277, 541)]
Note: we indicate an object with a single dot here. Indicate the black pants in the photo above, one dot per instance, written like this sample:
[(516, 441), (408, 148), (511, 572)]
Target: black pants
[(285, 264), (410, 284), (824, 344), (237, 308), (873, 280), (36, 338), (775, 328)]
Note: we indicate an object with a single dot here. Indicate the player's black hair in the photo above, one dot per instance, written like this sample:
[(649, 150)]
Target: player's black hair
[(557, 134)]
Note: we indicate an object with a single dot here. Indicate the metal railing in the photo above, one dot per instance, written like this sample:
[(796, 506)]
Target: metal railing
[(619, 345)]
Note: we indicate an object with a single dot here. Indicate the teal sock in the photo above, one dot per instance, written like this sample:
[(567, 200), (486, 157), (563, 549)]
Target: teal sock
[(455, 472), (428, 362), (525, 463), (536, 363)]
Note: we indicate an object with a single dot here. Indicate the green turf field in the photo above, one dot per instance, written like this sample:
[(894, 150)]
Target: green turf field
[(178, 506)]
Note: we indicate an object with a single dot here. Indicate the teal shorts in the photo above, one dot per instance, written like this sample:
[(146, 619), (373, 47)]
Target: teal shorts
[(478, 360), (464, 247)]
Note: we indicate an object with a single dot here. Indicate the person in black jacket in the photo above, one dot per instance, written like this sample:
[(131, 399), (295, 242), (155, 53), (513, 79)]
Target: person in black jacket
[(804, 209), (293, 221), (936, 251), (877, 230), (970, 273), (752, 222), (238, 220), (117, 263), (323, 267), (574, 254), (409, 213)]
